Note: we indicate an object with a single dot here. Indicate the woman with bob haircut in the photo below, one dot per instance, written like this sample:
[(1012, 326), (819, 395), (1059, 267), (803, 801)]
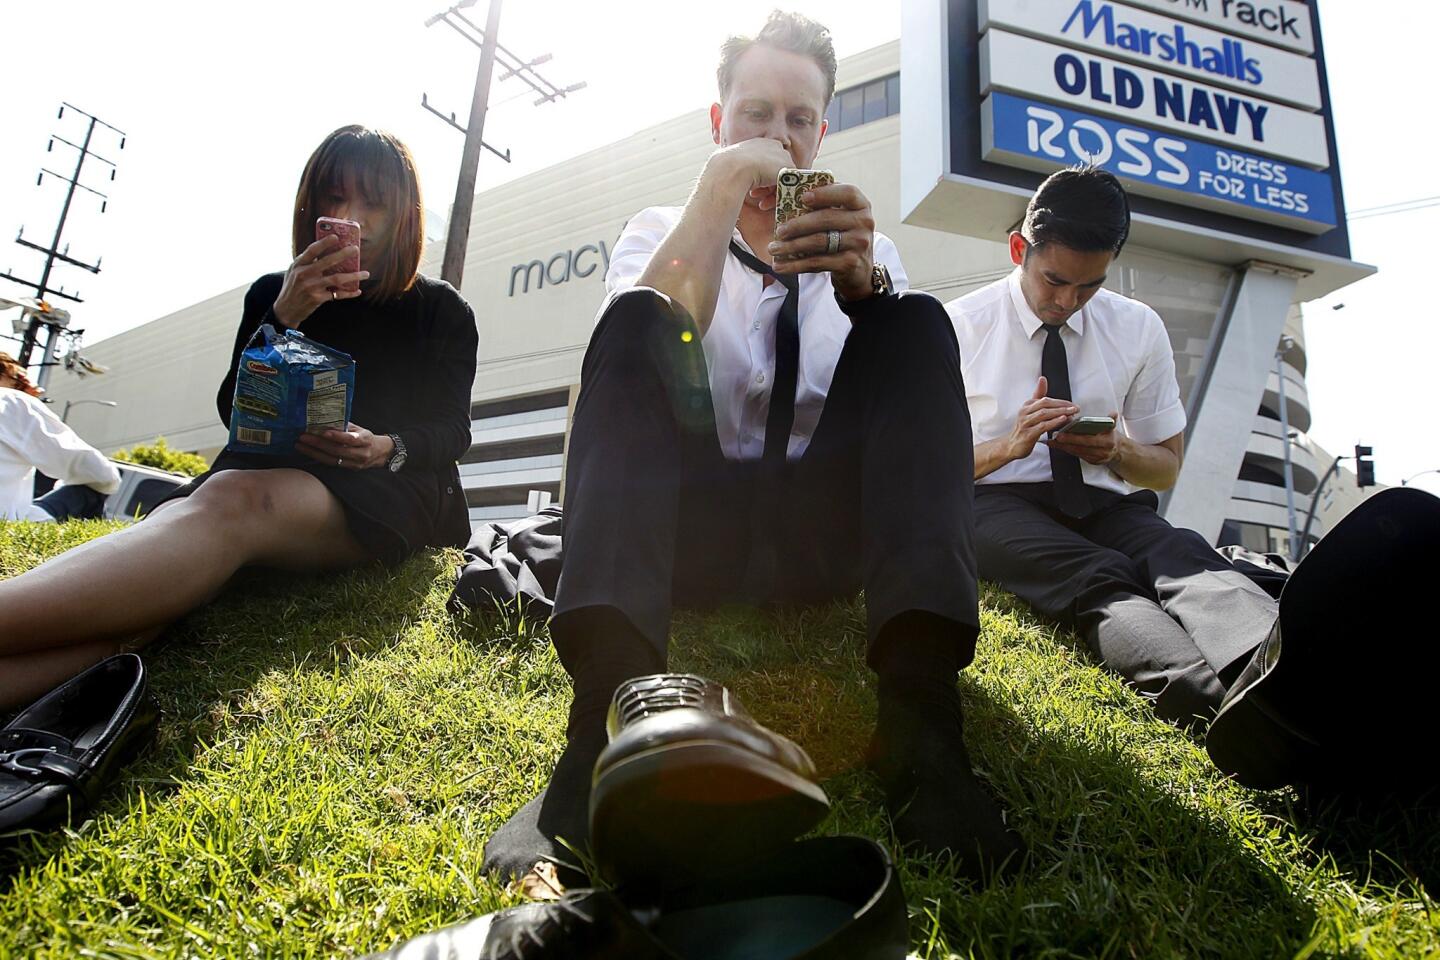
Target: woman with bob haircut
[(383, 488)]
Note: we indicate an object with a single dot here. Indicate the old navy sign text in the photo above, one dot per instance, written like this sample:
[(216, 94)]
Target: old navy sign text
[(1135, 94), (1162, 42), (1040, 136)]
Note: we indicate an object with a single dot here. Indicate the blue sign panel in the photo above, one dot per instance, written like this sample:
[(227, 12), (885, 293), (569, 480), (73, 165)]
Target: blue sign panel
[(1044, 136)]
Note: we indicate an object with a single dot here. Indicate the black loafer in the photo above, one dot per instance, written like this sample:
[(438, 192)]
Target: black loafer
[(690, 785), (825, 899), (1340, 702), (63, 750)]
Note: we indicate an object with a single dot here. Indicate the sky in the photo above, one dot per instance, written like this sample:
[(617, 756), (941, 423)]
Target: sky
[(222, 103)]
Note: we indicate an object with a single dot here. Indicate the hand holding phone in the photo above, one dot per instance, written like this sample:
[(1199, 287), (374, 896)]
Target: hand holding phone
[(348, 233)]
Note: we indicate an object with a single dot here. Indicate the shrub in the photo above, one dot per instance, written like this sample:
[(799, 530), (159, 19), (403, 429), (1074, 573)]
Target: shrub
[(160, 456)]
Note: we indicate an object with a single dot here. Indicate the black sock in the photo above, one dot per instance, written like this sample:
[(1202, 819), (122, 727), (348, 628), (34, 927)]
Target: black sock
[(604, 650), (935, 801)]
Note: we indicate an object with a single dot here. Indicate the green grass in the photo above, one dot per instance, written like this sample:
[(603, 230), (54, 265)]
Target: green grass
[(334, 753)]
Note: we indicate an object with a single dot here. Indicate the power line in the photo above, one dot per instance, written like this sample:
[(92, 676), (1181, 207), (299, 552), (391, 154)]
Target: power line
[(1385, 210), (492, 52), (55, 321)]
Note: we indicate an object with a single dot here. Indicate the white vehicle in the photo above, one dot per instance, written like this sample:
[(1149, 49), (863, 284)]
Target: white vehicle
[(140, 489)]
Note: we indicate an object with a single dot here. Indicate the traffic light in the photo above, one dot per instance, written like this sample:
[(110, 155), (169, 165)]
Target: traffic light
[(1364, 469)]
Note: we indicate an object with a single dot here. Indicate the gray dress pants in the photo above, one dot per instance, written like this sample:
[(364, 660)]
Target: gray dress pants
[(1157, 604)]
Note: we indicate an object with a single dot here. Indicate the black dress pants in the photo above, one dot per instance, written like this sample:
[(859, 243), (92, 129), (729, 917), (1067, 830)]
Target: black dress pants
[(1156, 603), (656, 515)]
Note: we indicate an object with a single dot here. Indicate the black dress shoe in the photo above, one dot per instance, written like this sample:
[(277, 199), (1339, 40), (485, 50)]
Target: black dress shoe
[(824, 899), (1337, 693), (59, 753), (689, 784)]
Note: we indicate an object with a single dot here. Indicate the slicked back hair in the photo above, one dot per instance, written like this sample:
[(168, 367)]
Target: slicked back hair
[(783, 31), (380, 166), (1084, 208)]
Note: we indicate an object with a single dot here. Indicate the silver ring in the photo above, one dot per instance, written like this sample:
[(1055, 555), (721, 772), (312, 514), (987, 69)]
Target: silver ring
[(832, 242), (339, 461), (334, 295)]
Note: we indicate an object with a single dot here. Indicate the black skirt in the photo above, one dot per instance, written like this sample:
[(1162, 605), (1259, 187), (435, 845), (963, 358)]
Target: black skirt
[(392, 515)]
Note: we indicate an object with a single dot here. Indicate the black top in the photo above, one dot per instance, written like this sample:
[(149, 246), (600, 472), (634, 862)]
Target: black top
[(414, 362), (414, 366)]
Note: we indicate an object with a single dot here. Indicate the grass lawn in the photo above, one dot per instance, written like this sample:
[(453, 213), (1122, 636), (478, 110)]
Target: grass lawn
[(333, 756)]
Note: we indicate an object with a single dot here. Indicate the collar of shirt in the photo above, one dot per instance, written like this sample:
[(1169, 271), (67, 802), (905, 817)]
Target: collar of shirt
[(1028, 321)]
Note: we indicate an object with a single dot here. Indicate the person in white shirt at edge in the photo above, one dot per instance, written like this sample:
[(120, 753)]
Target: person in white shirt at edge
[(688, 482), (32, 437), (1069, 523)]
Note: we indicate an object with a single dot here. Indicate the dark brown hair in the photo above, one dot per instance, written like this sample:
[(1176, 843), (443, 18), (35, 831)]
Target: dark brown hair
[(783, 31), (381, 167)]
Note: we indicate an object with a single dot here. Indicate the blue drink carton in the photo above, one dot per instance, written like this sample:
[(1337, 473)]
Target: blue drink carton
[(286, 385)]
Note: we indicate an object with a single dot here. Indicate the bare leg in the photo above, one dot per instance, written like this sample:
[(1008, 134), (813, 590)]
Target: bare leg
[(28, 675), (132, 581)]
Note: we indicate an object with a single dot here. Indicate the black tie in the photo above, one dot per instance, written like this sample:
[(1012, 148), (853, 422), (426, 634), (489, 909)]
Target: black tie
[(1069, 484), (787, 358)]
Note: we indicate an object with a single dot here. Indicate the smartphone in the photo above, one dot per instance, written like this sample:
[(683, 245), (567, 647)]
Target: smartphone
[(1088, 426), (349, 233), (790, 185)]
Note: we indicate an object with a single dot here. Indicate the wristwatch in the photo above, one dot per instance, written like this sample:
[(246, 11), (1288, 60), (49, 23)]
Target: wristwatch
[(880, 284), (397, 459)]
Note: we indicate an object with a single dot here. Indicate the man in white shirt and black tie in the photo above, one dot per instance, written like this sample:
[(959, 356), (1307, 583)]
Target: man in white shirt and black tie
[(1068, 522), (756, 422)]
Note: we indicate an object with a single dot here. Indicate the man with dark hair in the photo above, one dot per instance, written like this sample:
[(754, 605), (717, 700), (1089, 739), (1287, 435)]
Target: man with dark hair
[(1067, 521), (749, 428)]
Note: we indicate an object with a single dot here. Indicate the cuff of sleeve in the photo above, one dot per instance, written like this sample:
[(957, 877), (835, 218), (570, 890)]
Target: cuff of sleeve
[(1158, 426), (860, 309)]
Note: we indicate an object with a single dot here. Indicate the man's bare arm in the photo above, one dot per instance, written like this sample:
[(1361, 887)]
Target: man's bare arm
[(1152, 465), (1040, 414), (688, 264)]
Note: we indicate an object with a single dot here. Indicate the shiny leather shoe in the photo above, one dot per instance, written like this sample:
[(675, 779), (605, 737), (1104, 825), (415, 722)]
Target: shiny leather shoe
[(824, 899), (690, 785), (63, 750), (1336, 693)]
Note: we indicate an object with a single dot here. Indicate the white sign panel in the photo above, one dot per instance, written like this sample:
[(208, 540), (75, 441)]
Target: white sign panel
[(1162, 43), (1087, 81), (1284, 23)]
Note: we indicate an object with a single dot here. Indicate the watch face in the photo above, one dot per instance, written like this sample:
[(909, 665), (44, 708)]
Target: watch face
[(880, 279), (396, 462)]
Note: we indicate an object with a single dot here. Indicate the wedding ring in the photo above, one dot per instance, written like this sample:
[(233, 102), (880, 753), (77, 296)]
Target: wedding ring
[(339, 461), (832, 244), (333, 295)]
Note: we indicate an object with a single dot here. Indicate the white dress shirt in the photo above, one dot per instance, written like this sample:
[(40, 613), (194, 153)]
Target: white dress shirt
[(1119, 357), (31, 436), (740, 343)]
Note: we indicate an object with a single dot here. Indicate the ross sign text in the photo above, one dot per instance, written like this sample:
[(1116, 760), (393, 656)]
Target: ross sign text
[(1045, 137)]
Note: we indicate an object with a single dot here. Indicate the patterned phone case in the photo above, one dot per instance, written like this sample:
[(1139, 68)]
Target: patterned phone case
[(349, 233), (790, 185)]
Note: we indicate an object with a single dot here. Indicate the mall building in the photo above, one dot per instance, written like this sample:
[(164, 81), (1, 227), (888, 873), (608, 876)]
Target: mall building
[(534, 274)]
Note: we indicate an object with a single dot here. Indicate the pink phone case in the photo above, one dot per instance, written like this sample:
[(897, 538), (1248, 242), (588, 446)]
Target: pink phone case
[(349, 233)]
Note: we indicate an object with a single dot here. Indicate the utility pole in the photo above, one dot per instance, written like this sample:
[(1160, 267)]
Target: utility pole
[(55, 252), (458, 237)]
